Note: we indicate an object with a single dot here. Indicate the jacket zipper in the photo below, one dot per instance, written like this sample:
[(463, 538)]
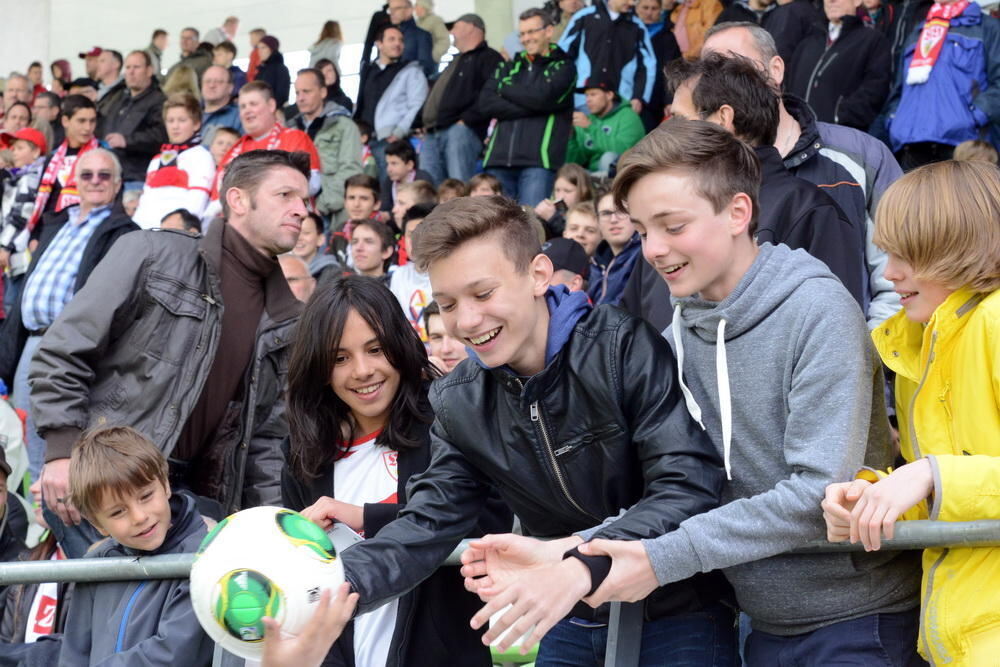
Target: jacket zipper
[(913, 399), (120, 643), (924, 606), (536, 416), (819, 69)]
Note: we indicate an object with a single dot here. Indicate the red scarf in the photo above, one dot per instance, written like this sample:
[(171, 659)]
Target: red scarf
[(69, 194), (273, 141), (932, 37)]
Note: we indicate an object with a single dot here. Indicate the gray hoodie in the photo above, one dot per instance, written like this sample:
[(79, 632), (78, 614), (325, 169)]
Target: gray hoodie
[(800, 405)]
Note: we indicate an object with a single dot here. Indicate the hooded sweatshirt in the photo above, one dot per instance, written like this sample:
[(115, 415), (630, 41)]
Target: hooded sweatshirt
[(798, 405), (148, 622)]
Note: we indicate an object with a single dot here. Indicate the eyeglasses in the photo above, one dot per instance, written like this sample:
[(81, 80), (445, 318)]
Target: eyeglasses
[(102, 176), (611, 214), (525, 33)]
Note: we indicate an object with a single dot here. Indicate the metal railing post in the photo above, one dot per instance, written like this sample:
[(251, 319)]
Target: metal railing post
[(624, 635)]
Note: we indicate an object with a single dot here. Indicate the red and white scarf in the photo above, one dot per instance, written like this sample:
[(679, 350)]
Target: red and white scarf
[(273, 140), (68, 194), (932, 37)]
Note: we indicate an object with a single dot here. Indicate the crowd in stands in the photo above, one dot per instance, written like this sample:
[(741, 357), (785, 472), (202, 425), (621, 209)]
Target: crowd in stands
[(436, 307)]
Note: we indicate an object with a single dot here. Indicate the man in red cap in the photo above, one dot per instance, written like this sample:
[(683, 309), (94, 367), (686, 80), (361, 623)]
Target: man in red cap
[(90, 61)]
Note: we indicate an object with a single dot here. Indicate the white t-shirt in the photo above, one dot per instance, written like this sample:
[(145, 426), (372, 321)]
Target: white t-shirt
[(413, 291), (368, 473)]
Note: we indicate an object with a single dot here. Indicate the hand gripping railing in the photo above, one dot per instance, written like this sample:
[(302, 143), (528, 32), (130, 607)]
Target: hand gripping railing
[(625, 625)]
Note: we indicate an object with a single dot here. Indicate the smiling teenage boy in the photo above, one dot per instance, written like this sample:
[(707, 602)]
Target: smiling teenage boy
[(776, 363), (571, 412)]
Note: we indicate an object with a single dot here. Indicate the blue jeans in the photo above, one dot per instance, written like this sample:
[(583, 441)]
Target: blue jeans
[(74, 540), (528, 185), (450, 153), (702, 639), (35, 443), (378, 147), (878, 639)]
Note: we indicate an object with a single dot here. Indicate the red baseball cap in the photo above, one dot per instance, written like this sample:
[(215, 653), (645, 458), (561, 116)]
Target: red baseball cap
[(93, 53), (28, 134)]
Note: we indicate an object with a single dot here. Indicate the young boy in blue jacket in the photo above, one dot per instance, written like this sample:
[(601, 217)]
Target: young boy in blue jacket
[(119, 483), (570, 412)]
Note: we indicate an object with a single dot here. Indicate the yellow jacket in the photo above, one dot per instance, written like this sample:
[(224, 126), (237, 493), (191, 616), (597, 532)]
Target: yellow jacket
[(700, 16), (948, 405)]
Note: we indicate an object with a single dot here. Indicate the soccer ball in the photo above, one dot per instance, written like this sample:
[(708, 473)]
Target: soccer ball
[(264, 561)]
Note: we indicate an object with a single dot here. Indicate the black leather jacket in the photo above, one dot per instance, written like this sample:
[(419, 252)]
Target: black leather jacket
[(602, 428), (136, 345)]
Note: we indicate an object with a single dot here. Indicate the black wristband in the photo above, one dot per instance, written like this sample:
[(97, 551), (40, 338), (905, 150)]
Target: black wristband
[(599, 566)]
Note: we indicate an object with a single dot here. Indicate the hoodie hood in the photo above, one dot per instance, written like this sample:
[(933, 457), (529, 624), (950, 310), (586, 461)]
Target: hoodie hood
[(775, 274), (770, 280), (565, 310), (331, 109)]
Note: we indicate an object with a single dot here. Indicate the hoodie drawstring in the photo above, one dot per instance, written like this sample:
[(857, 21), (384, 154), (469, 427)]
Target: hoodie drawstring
[(692, 405), (722, 383)]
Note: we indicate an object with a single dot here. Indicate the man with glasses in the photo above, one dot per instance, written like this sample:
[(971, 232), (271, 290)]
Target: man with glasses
[(70, 244), (217, 98), (531, 96), (418, 42), (616, 255), (46, 105), (195, 58)]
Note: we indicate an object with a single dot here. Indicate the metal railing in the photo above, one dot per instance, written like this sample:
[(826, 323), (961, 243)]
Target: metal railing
[(625, 624)]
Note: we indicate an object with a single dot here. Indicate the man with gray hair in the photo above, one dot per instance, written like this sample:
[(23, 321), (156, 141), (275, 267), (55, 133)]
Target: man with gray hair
[(186, 339), (72, 242), (16, 89)]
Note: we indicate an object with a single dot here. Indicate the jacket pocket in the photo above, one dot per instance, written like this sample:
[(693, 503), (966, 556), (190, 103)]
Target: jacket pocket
[(170, 320)]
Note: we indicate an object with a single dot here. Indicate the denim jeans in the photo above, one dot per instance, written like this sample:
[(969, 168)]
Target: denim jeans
[(527, 185), (888, 640), (702, 639), (35, 443), (450, 153), (74, 540)]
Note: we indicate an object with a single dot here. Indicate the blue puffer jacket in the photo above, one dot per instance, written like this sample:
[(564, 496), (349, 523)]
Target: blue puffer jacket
[(961, 100)]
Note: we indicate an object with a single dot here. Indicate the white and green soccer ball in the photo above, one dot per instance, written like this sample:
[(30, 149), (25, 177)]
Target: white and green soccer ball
[(264, 561)]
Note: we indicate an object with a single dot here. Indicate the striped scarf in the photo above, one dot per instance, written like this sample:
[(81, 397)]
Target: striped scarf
[(68, 194)]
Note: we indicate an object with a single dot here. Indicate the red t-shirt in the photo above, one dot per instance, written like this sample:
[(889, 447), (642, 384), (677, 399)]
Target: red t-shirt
[(287, 140)]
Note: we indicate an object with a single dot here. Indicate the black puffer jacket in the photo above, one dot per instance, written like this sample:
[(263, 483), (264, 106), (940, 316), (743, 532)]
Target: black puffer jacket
[(602, 427), (138, 118), (532, 98), (847, 82), (461, 96), (432, 621)]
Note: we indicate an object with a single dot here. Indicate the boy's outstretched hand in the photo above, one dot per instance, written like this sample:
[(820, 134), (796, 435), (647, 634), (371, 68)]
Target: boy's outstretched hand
[(310, 646), (631, 578), (494, 562), (539, 597)]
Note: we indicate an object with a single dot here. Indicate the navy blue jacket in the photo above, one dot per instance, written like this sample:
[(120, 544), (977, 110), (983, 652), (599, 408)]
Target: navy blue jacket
[(609, 273), (417, 46)]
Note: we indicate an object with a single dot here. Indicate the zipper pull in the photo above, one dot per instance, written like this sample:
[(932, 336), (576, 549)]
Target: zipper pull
[(206, 297), (534, 411)]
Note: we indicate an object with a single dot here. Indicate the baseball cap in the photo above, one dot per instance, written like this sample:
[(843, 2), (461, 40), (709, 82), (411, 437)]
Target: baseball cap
[(473, 19), (567, 255), (95, 51), (599, 80), (29, 134)]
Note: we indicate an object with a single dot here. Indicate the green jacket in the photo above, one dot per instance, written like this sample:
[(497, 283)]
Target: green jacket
[(616, 132), (338, 144)]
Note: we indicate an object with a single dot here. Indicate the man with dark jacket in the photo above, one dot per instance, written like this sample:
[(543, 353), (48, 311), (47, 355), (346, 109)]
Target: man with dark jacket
[(418, 41), (453, 121), (71, 242), (732, 92), (608, 39), (532, 99), (790, 23), (186, 339), (665, 48), (194, 57), (842, 71), (134, 126)]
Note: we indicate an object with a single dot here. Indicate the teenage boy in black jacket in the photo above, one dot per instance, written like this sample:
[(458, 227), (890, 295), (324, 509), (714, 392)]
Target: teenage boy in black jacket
[(532, 99), (731, 91), (572, 413)]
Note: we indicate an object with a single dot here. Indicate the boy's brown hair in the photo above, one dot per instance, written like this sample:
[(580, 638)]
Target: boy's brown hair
[(975, 149), (115, 461), (721, 165), (423, 191), (941, 219), (453, 185), (587, 208), (489, 179), (460, 220)]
